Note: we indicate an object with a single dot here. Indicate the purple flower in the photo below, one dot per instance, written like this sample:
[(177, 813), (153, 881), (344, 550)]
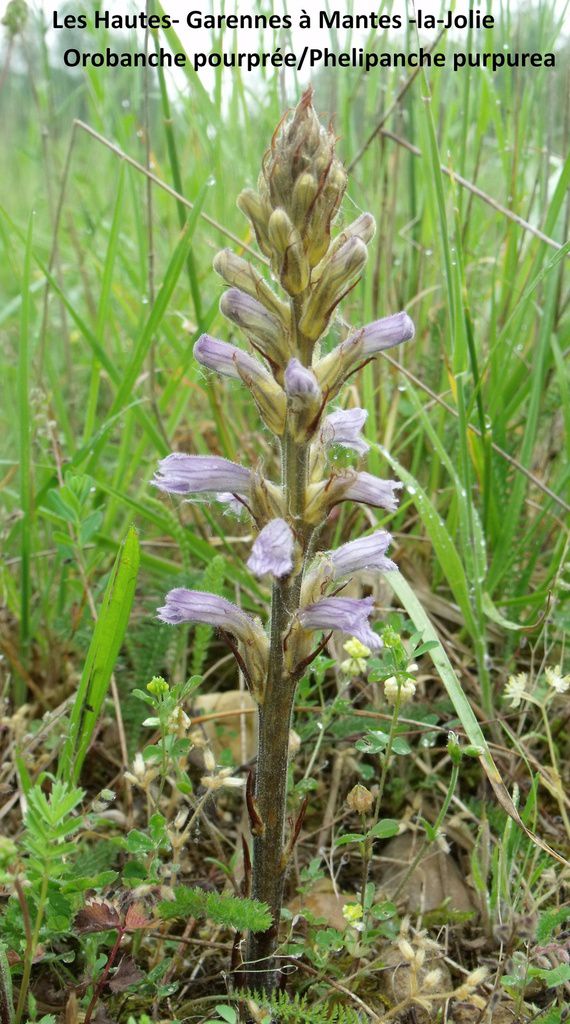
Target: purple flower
[(226, 359), (334, 368), (183, 474), (350, 615), (199, 606), (343, 427), (254, 319), (299, 380), (272, 551), (372, 490), (385, 333), (363, 553)]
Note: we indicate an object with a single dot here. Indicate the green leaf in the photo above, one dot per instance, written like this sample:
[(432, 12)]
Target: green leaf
[(374, 742), (231, 911), (139, 842), (350, 837), (401, 746), (227, 1013), (384, 829), (105, 644)]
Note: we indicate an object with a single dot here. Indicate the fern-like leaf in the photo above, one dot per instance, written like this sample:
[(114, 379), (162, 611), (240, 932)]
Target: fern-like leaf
[(221, 908), (296, 1009)]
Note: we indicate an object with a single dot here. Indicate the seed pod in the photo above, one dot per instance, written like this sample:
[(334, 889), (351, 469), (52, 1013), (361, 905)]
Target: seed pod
[(360, 799)]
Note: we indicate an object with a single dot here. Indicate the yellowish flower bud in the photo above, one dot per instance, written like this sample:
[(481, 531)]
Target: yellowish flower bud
[(238, 272), (304, 192), (288, 253), (257, 212), (337, 276)]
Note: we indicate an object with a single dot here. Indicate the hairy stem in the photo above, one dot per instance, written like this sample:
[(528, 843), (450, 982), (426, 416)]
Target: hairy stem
[(275, 713)]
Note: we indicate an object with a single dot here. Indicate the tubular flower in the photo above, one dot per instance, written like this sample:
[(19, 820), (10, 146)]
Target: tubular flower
[(350, 486), (227, 359), (184, 605), (343, 426), (347, 614), (199, 606), (372, 490), (333, 369), (272, 552), (363, 553), (266, 330), (194, 474), (232, 362)]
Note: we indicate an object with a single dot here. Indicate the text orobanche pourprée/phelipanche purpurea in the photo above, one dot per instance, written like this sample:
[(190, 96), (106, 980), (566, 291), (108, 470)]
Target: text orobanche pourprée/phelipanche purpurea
[(309, 57)]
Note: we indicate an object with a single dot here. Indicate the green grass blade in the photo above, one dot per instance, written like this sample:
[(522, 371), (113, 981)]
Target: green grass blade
[(443, 544), (463, 709), (25, 465), (105, 644)]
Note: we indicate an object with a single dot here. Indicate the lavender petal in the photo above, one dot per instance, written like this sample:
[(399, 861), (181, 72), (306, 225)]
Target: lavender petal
[(272, 551), (347, 614), (299, 380), (184, 474), (343, 426), (372, 490), (363, 553), (199, 606)]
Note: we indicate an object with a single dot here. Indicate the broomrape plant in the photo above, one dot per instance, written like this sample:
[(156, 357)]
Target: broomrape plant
[(300, 189)]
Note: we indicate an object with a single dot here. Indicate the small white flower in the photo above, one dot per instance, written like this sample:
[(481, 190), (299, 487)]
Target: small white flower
[(393, 687), (224, 778), (556, 680), (515, 690)]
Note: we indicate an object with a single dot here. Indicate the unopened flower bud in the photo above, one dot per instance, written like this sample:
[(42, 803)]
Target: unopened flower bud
[(294, 743), (401, 689), (238, 272), (158, 686), (304, 192), (288, 254), (267, 333), (337, 276), (363, 228), (304, 400), (360, 799), (209, 760), (258, 213), (407, 950)]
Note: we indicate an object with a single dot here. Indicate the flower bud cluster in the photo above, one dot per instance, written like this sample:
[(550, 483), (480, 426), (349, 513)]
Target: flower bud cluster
[(292, 213)]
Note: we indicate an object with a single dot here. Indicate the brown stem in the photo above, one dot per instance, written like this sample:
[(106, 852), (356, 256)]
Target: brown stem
[(104, 976), (269, 861)]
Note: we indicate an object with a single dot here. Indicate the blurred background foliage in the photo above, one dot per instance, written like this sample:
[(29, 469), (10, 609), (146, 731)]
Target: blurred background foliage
[(103, 296)]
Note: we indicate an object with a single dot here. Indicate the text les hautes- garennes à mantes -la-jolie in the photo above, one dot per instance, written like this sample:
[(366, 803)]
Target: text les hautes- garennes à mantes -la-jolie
[(473, 19)]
